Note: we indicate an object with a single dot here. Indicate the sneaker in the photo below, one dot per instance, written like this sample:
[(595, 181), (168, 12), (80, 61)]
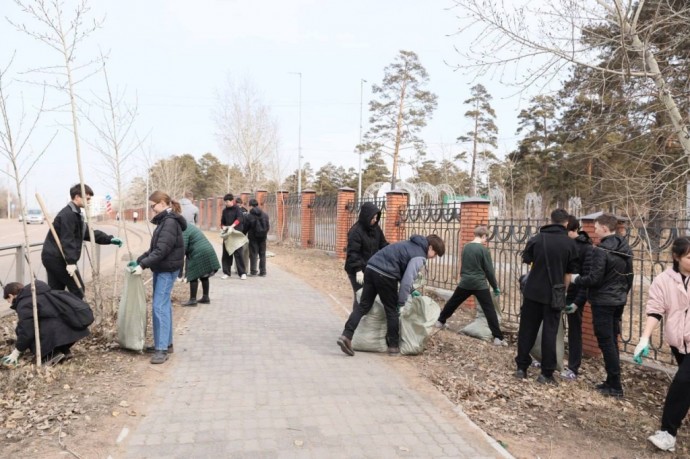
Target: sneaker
[(243, 277), (262, 275), (500, 342), (152, 349), (602, 386), (536, 364), (663, 440), (520, 374), (346, 345), (569, 374), (55, 359), (393, 351), (440, 325), (541, 379), (159, 357), (612, 392), (224, 276), (205, 300), (67, 356), (189, 303), (254, 274)]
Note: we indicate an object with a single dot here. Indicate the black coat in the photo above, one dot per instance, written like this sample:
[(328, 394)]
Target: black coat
[(563, 259), (166, 253), (254, 217), (230, 214), (364, 239), (72, 231), (610, 272), (53, 330), (576, 293)]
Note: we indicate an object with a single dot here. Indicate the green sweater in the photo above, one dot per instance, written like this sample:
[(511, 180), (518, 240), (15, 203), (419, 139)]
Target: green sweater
[(476, 268)]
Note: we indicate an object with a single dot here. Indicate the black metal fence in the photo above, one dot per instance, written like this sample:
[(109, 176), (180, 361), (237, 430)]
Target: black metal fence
[(324, 211), (293, 218), (271, 208)]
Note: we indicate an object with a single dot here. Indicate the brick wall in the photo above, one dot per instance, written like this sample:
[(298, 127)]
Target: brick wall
[(308, 230), (346, 196), (394, 229), (473, 212), (589, 340)]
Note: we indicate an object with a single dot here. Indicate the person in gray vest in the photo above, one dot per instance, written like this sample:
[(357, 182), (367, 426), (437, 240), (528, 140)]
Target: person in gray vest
[(190, 212)]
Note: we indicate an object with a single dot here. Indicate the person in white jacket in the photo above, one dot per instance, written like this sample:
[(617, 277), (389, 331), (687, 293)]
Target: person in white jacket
[(669, 298)]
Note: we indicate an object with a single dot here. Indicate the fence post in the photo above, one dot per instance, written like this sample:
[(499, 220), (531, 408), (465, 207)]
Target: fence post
[(590, 346), (346, 198), (308, 230), (261, 197), (199, 203), (473, 212), (217, 206), (281, 224), (245, 198), (396, 201)]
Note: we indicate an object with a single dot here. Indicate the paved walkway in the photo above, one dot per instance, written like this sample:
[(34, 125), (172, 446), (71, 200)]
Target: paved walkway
[(258, 375)]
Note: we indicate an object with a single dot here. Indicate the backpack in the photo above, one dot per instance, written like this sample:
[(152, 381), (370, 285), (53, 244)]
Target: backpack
[(261, 226), (76, 313)]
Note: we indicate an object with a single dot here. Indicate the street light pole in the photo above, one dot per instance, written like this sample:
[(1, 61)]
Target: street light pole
[(361, 105), (299, 138)]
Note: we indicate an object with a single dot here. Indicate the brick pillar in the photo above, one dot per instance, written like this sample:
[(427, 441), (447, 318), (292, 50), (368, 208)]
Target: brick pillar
[(346, 198), (281, 224), (216, 208), (308, 229), (245, 198), (396, 201), (200, 204), (261, 197), (473, 212), (590, 347)]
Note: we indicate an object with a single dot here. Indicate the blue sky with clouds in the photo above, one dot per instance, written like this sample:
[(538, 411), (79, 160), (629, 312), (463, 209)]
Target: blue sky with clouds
[(175, 55)]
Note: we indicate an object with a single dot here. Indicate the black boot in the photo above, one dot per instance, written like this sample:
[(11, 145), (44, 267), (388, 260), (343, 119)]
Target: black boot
[(205, 300), (191, 302)]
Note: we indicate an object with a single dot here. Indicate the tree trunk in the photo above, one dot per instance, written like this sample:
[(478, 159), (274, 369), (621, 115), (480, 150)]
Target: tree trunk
[(398, 134)]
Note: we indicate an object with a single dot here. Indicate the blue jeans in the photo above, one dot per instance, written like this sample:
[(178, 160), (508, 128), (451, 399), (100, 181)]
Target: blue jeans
[(162, 309)]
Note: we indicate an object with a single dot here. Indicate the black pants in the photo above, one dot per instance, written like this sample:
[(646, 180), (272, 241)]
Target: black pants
[(387, 290), (226, 261), (607, 326), (485, 301), (532, 314), (194, 288), (257, 249), (58, 278), (678, 397), (355, 288), (575, 340)]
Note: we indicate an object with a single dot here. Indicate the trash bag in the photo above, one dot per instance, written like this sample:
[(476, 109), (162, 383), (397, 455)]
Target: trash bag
[(233, 239), (131, 316), (560, 345), (479, 327), (370, 335), (417, 320)]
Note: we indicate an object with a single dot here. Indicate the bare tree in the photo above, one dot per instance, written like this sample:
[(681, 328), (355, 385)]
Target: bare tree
[(12, 146), (548, 36), (170, 174), (246, 130)]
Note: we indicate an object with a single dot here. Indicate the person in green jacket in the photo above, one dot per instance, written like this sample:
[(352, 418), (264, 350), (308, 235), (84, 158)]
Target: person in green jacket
[(475, 271), (201, 263)]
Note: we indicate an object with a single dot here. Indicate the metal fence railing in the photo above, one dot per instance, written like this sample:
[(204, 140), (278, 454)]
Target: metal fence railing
[(270, 207), (324, 211), (293, 218)]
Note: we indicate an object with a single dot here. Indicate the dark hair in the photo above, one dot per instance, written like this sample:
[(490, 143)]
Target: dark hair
[(437, 244), (13, 288), (158, 196), (228, 197), (76, 191), (680, 248), (253, 203), (573, 223), (608, 220), (559, 216), (238, 200)]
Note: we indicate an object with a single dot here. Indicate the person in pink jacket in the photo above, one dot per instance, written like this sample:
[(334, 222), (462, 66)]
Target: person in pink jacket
[(669, 298)]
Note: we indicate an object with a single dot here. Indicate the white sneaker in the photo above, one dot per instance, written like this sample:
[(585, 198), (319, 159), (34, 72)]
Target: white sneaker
[(243, 277), (440, 325), (224, 276), (500, 342), (663, 440), (569, 374)]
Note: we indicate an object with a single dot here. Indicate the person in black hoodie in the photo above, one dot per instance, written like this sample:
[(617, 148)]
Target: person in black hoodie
[(72, 231), (165, 259), (553, 246), (259, 226), (57, 337), (575, 298), (399, 262), (232, 216), (364, 239), (609, 279)]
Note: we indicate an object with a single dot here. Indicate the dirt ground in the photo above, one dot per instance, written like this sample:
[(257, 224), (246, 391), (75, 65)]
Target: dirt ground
[(80, 407)]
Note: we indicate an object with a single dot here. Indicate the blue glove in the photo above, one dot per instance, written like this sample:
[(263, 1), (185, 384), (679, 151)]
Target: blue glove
[(132, 264), (415, 293), (116, 241), (572, 307), (497, 291), (642, 350), (137, 270)]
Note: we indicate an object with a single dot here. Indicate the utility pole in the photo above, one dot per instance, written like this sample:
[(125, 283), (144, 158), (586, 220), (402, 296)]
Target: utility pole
[(299, 137), (361, 106)]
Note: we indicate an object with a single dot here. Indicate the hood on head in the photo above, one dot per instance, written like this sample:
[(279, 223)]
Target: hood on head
[(367, 212)]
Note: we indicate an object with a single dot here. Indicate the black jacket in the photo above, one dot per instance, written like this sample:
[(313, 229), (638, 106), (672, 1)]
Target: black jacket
[(576, 293), (166, 253), (72, 232), (256, 219), (230, 214), (364, 239), (402, 261), (53, 329), (562, 259), (610, 272)]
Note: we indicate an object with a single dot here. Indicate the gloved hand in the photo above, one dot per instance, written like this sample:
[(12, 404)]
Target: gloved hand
[(415, 293), (573, 278), (359, 277), (116, 241), (137, 270), (497, 291), (572, 307), (180, 279), (11, 360), (132, 264), (641, 350), (71, 269)]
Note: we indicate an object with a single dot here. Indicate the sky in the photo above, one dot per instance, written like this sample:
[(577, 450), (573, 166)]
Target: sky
[(171, 58)]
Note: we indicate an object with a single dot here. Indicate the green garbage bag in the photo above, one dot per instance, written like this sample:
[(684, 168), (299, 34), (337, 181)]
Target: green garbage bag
[(560, 345), (479, 328), (233, 239), (370, 335), (131, 316), (417, 320)]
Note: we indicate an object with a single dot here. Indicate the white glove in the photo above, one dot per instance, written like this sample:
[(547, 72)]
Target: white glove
[(179, 279), (71, 269), (11, 360), (359, 277), (573, 278), (641, 350), (137, 270)]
